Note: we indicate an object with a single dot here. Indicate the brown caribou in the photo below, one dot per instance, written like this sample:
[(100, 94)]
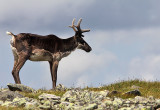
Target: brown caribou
[(27, 46)]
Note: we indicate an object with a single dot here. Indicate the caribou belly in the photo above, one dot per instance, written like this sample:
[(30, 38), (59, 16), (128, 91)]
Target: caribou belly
[(40, 55)]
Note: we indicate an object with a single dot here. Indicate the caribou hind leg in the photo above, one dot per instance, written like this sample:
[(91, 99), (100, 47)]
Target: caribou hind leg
[(51, 65)]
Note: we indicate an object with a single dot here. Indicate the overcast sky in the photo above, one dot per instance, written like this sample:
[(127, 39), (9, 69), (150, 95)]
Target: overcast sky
[(124, 36)]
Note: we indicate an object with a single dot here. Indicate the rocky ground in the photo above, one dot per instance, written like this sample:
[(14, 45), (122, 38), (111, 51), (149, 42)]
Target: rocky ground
[(75, 99)]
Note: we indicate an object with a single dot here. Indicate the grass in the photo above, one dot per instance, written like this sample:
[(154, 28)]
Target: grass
[(11, 108), (39, 92), (147, 88)]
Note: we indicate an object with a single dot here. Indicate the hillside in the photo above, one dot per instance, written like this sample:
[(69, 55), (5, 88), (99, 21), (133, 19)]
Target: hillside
[(129, 94)]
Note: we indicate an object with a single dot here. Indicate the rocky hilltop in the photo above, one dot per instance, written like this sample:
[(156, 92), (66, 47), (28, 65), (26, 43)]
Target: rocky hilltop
[(75, 99)]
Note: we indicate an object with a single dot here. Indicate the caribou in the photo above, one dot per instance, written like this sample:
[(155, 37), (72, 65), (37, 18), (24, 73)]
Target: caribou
[(27, 46)]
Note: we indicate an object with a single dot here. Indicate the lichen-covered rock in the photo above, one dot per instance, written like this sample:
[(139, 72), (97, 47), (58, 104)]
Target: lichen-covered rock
[(157, 101), (28, 103), (31, 105), (133, 93), (45, 96), (104, 93), (126, 108), (9, 95), (19, 101), (135, 87), (7, 103), (91, 107), (84, 98), (19, 87), (1, 102), (61, 87), (114, 93), (46, 107), (117, 102), (139, 99), (4, 89), (108, 102), (48, 101)]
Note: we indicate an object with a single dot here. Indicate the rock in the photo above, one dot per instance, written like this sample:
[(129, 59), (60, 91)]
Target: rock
[(126, 108), (139, 99), (1, 102), (70, 106), (4, 89), (117, 102), (133, 93), (83, 98), (19, 101), (7, 103), (66, 96), (45, 107), (135, 87), (31, 105), (65, 103), (157, 101), (61, 87), (22, 102), (9, 95), (45, 96), (19, 87), (104, 93), (48, 101), (91, 107), (108, 102), (114, 93)]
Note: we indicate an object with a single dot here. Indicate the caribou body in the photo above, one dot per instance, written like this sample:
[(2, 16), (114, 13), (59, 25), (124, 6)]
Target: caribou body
[(27, 46)]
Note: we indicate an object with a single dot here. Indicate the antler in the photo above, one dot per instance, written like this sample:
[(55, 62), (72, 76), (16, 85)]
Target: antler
[(73, 26), (78, 26)]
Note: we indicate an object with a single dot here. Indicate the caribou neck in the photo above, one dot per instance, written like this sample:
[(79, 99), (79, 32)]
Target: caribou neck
[(69, 44)]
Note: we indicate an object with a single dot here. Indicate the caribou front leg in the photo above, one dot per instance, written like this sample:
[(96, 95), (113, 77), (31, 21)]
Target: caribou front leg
[(17, 67), (53, 68)]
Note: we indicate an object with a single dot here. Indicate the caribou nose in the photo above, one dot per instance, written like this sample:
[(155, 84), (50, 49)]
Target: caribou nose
[(89, 49)]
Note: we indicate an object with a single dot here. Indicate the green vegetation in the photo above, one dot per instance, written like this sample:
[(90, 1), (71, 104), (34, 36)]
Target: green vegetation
[(147, 88), (10, 108), (39, 92)]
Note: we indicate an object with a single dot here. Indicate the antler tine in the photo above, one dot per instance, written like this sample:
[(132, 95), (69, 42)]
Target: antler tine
[(73, 26), (78, 27), (79, 22), (85, 30)]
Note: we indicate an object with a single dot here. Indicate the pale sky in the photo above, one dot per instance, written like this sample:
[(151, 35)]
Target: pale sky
[(124, 36)]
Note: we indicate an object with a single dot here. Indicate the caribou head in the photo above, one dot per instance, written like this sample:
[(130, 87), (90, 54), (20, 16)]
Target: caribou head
[(82, 44)]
